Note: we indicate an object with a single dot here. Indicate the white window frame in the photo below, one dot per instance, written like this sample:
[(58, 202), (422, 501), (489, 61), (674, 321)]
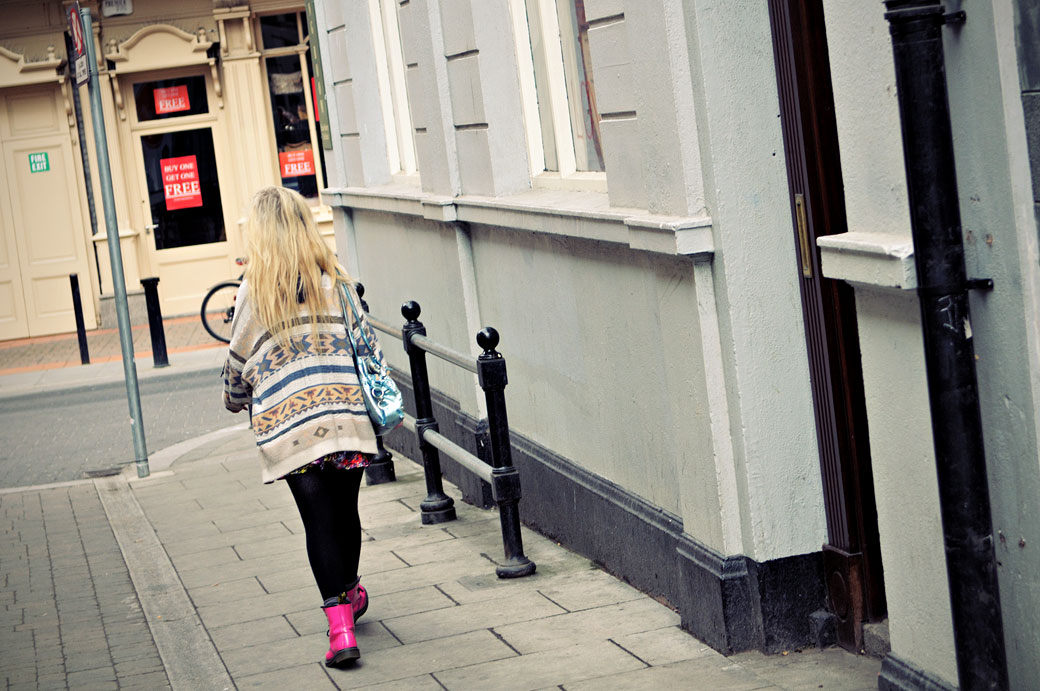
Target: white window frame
[(393, 88), (568, 177)]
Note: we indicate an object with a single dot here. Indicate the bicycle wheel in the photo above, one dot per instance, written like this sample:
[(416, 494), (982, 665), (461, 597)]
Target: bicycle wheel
[(218, 309)]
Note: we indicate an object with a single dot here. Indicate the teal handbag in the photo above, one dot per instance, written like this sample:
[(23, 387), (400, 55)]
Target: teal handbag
[(382, 398)]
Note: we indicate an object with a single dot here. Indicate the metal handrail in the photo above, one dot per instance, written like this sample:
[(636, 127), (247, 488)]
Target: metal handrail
[(461, 456), (501, 474), (445, 353), (455, 357), (382, 326)]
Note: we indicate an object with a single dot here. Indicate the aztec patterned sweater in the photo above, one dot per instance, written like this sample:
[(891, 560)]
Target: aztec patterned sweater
[(306, 403)]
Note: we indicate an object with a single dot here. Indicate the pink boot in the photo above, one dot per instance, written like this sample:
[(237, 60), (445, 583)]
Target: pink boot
[(343, 650), (358, 597)]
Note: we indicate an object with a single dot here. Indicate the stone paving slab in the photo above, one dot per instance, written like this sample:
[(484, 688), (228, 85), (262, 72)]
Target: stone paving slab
[(71, 615), (708, 673)]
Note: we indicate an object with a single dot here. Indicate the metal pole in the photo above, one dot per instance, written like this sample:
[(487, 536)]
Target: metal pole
[(491, 375), (155, 322), (81, 329), (381, 469), (978, 630), (437, 507), (133, 394)]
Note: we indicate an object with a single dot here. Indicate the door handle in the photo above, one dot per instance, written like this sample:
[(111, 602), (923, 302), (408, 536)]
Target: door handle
[(149, 228), (803, 235)]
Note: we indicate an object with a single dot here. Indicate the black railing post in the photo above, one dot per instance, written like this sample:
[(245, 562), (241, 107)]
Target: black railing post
[(155, 325), (935, 224), (491, 374), (81, 329), (381, 469), (438, 507)]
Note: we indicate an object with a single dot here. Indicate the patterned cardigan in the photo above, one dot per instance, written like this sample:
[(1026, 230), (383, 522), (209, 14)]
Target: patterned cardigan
[(306, 402)]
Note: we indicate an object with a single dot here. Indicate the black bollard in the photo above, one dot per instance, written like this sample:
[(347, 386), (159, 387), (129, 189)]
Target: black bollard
[(155, 324), (81, 329), (437, 507), (381, 469), (491, 374)]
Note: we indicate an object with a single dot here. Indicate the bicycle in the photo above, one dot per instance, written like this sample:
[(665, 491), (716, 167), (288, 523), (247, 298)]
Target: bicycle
[(218, 308)]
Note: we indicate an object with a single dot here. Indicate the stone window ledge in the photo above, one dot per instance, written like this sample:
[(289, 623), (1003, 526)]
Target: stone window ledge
[(585, 215), (883, 260)]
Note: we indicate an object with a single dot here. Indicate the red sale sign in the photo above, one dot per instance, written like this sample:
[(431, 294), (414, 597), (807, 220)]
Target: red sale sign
[(171, 99), (296, 163), (181, 182)]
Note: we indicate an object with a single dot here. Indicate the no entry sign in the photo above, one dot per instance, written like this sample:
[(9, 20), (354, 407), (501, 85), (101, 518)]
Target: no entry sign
[(181, 182), (79, 44)]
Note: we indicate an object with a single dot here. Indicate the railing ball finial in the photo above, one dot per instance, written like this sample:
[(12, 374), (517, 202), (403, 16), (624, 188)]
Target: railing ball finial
[(487, 338), (411, 310)]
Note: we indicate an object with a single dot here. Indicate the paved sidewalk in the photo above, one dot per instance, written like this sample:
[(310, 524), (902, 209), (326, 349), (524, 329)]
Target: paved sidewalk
[(197, 578), (49, 363), (37, 380), (222, 595), (70, 613), (183, 334)]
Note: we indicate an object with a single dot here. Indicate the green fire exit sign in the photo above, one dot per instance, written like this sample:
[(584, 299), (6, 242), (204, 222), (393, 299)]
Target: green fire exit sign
[(39, 162)]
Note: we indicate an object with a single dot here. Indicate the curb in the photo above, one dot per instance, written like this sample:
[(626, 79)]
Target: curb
[(187, 652), (164, 458)]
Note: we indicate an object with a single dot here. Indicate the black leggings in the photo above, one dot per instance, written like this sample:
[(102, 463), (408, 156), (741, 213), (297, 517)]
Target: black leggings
[(327, 499)]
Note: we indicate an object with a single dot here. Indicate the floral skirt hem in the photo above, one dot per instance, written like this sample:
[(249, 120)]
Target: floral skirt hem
[(338, 460)]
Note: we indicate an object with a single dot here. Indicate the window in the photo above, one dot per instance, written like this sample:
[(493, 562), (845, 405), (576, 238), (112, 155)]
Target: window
[(558, 87), (287, 65), (170, 98), (183, 190), (393, 92)]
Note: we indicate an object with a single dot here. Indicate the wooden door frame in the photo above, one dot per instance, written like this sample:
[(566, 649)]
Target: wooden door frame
[(10, 240), (213, 120), (64, 138), (852, 554)]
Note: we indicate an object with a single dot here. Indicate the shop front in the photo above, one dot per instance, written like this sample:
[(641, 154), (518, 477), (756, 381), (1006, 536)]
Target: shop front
[(203, 105)]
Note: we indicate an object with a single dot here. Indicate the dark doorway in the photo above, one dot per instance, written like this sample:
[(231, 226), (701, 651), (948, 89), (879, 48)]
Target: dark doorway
[(183, 191), (852, 555)]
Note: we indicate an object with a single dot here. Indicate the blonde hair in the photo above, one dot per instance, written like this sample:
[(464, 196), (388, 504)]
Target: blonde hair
[(287, 257)]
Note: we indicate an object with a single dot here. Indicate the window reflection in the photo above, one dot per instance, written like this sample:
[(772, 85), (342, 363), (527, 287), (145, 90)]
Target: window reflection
[(561, 39)]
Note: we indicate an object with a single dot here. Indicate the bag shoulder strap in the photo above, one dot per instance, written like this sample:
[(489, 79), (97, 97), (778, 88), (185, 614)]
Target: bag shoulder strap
[(343, 292)]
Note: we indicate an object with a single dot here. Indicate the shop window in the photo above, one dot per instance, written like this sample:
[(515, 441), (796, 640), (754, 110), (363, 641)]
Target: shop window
[(558, 85), (171, 98), (183, 191), (288, 68), (393, 90), (280, 30)]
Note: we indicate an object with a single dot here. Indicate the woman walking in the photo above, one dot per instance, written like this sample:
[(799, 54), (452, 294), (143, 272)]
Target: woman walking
[(291, 364)]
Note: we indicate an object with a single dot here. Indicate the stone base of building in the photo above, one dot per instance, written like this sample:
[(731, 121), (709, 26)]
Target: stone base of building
[(899, 675), (732, 603)]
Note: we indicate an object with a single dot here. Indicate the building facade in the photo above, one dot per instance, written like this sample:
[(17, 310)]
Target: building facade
[(204, 102), (689, 221)]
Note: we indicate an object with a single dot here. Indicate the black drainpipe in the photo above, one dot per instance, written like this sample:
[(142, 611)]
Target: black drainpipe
[(978, 629)]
